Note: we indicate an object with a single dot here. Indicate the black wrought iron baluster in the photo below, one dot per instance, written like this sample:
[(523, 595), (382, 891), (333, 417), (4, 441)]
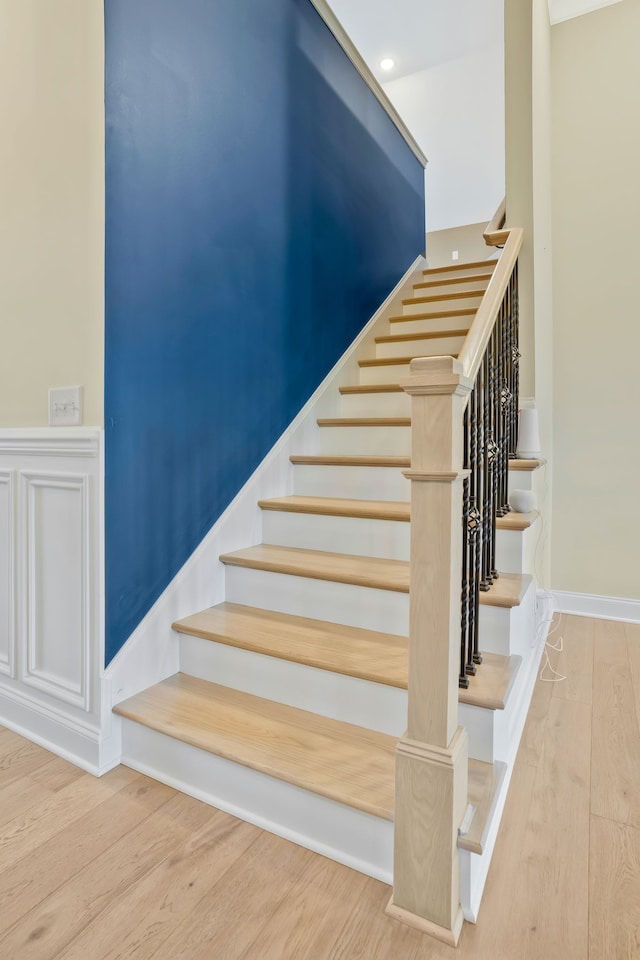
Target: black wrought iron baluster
[(494, 356), (474, 522), (515, 363), (488, 456)]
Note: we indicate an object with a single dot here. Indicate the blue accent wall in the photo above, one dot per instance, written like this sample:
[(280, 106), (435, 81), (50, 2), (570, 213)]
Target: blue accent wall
[(260, 205)]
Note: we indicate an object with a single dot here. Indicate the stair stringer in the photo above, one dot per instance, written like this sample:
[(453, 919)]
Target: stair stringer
[(151, 654)]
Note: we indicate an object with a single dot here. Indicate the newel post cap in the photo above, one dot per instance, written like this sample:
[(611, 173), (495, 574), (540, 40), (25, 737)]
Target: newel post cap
[(436, 375)]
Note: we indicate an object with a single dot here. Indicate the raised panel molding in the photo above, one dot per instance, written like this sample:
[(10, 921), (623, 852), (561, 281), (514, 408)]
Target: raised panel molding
[(7, 575), (55, 585)]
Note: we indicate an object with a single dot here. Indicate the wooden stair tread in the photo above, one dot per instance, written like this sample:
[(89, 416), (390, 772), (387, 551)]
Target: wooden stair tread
[(352, 651), (433, 335), (371, 388), (374, 510), (340, 507), (461, 295), (435, 315), (476, 278), (364, 422), (492, 683), (393, 361), (507, 591), (451, 268), (517, 521), (345, 763), (525, 465), (321, 565), (324, 460), (374, 572), (485, 780)]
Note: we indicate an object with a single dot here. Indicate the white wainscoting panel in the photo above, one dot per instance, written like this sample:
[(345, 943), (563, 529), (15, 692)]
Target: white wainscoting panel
[(56, 587), (7, 577), (52, 684)]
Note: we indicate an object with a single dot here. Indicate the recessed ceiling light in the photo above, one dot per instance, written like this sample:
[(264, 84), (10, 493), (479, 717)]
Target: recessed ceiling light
[(387, 63)]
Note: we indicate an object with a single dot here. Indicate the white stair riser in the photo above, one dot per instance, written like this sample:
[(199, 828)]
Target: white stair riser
[(440, 272), (389, 539), (442, 347), (359, 840), (376, 405), (387, 373), (429, 325), (375, 706), (365, 441), (508, 631), (435, 306), (367, 607), (520, 480), (515, 549), (369, 483), (443, 288)]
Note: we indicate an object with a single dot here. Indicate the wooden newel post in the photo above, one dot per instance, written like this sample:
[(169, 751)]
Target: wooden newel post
[(432, 758)]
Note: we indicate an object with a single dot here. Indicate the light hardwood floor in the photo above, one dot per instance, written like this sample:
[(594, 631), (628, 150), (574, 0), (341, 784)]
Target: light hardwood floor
[(124, 867)]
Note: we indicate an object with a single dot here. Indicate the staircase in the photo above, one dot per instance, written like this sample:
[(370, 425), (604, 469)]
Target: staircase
[(292, 694)]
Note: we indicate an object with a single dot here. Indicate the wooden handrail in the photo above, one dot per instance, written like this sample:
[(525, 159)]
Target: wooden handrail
[(495, 235), (477, 339)]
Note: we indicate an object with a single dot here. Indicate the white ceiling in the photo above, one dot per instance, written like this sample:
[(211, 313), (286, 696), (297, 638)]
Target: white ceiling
[(418, 34)]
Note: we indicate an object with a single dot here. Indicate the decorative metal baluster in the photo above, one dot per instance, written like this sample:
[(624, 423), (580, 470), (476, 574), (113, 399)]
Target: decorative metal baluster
[(463, 680), (474, 521), (515, 363), (506, 401), (494, 356), (488, 456)]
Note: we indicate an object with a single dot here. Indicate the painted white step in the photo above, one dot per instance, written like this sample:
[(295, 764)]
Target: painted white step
[(371, 402), (431, 322), (357, 436), (434, 286), (516, 543), (325, 785), (460, 269), (365, 592), (325, 524), (419, 346), (313, 477), (355, 676), (470, 299), (349, 675), (317, 476)]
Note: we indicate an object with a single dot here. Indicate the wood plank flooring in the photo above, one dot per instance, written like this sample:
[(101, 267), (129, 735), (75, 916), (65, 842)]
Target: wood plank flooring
[(124, 867)]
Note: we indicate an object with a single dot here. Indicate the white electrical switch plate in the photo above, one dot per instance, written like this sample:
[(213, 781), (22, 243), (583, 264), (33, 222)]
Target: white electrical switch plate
[(65, 406), (454, 254)]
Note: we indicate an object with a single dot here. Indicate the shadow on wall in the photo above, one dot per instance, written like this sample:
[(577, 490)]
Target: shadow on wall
[(260, 206)]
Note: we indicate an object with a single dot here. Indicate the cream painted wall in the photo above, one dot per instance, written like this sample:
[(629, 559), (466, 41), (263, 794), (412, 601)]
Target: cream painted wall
[(528, 179), (596, 211), (456, 113), (51, 206), (467, 240)]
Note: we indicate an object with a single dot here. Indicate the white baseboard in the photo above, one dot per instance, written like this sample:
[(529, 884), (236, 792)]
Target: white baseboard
[(91, 747), (150, 655), (601, 608), (349, 836)]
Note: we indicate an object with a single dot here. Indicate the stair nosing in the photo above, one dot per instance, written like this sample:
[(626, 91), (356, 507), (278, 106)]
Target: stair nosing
[(475, 278), (463, 295), (438, 315), (393, 361), (364, 422), (394, 510)]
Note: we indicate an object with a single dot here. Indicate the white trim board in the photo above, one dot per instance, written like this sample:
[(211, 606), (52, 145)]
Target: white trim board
[(561, 10), (359, 63), (601, 608), (151, 654)]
